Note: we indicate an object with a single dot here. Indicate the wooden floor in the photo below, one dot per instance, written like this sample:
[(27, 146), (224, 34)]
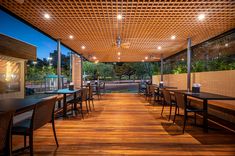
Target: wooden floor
[(125, 124)]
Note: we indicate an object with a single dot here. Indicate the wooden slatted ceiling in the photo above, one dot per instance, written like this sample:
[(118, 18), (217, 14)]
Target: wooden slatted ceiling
[(145, 24)]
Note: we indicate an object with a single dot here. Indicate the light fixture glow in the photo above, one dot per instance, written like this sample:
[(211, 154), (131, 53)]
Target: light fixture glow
[(201, 17), (47, 16), (146, 57), (142, 60), (71, 36), (159, 47), (83, 47), (119, 53), (173, 37), (119, 17), (97, 61), (119, 58), (226, 45), (94, 58)]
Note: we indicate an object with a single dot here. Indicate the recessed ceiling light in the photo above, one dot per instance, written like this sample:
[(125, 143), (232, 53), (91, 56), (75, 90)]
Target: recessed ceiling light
[(142, 60), (146, 57), (94, 58), (119, 58), (159, 47), (119, 17), (173, 37), (119, 53), (71, 36), (201, 17), (226, 45), (47, 16), (83, 47)]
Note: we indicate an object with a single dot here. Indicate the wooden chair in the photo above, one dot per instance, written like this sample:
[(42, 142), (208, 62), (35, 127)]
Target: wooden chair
[(150, 92), (43, 113), (180, 103), (90, 97), (158, 96), (83, 97), (102, 87), (147, 91), (5, 133), (96, 91), (167, 100)]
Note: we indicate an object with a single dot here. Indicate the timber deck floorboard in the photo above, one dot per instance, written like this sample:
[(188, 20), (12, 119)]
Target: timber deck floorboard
[(125, 124)]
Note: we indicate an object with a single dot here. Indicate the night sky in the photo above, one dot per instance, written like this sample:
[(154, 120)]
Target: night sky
[(12, 27)]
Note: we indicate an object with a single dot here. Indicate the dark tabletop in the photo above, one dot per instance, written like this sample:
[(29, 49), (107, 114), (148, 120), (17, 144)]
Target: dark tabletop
[(209, 96), (62, 91), (17, 105), (167, 87), (205, 95)]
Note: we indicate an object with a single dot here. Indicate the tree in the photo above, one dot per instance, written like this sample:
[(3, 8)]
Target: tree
[(90, 69), (105, 70), (119, 71), (128, 69)]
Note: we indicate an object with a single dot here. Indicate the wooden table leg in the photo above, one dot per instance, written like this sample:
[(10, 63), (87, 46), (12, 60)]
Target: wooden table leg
[(64, 106), (205, 115), (59, 104), (158, 94), (75, 104)]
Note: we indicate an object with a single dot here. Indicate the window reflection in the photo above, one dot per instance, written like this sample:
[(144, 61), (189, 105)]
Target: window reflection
[(9, 75)]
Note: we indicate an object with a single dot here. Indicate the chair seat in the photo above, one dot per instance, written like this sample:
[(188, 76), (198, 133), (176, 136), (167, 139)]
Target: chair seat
[(77, 100), (22, 127), (91, 98)]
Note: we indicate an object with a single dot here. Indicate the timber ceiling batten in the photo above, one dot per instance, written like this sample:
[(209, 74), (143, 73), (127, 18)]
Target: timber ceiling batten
[(145, 25)]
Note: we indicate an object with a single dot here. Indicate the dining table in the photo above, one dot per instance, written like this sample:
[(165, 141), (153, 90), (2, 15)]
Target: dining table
[(17, 105), (205, 97), (65, 92)]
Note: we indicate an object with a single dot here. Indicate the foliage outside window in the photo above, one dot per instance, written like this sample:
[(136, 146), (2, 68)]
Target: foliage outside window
[(213, 55), (120, 71)]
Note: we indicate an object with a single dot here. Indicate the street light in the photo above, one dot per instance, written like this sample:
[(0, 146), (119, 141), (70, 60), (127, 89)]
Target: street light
[(49, 61), (34, 63)]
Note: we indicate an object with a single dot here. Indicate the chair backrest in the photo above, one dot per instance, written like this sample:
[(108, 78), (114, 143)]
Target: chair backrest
[(147, 89), (90, 91), (152, 89), (84, 93), (97, 89), (43, 112), (166, 96), (5, 132), (179, 97), (102, 85)]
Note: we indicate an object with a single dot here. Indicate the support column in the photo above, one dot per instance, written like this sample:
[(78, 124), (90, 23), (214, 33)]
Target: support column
[(70, 65), (189, 53), (161, 67), (59, 64), (81, 71)]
